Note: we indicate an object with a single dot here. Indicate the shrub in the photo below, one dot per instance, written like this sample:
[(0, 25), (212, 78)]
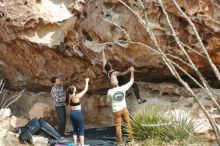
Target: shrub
[(153, 124)]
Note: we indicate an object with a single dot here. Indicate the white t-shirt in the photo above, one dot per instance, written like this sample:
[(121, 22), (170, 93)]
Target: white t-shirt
[(117, 96)]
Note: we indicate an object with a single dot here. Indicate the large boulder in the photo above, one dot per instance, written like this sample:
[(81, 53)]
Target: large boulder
[(43, 38), (17, 122), (8, 138), (39, 141), (37, 111), (49, 115), (5, 118), (5, 123), (5, 113), (23, 105)]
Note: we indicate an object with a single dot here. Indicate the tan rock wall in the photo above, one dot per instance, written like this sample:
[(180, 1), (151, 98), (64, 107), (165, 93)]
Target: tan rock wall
[(40, 39)]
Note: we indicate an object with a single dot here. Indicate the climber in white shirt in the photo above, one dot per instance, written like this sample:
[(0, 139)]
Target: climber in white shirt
[(116, 96)]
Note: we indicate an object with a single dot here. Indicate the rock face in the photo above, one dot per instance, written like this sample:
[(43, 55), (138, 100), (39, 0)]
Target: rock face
[(43, 38), (39, 141), (37, 111), (18, 122), (8, 138), (4, 113)]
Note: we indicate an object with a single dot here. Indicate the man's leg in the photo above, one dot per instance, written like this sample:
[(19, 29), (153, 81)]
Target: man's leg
[(137, 93), (136, 90), (117, 120), (124, 80), (126, 120), (61, 117)]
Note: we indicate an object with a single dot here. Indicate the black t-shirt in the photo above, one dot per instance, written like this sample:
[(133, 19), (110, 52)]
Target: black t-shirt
[(121, 79)]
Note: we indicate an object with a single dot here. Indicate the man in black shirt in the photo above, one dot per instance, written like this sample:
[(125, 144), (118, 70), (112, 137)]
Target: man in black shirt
[(122, 80)]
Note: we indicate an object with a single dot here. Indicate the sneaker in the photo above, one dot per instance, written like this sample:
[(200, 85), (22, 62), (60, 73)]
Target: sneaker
[(140, 101)]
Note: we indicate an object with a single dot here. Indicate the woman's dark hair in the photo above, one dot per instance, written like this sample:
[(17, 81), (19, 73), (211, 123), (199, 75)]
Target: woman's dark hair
[(107, 67), (69, 92), (53, 80)]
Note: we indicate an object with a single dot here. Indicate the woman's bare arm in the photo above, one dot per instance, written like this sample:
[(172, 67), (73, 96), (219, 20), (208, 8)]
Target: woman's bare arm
[(118, 73), (79, 95), (129, 84)]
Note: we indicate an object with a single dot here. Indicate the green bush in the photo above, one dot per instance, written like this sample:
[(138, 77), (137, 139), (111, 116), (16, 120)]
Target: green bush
[(145, 116), (183, 129), (153, 124)]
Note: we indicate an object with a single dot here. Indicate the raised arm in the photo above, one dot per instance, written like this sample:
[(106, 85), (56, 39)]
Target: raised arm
[(129, 84), (132, 74), (79, 95), (118, 73)]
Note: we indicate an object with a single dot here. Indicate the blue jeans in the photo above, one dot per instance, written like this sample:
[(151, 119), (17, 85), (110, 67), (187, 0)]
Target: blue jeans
[(77, 121)]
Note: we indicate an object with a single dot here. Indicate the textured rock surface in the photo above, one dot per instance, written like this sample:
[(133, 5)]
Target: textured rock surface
[(37, 111), (5, 113), (8, 138), (17, 122), (39, 141), (27, 101), (43, 38)]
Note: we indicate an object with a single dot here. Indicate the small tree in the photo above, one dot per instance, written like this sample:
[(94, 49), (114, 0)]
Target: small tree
[(172, 61), (5, 101)]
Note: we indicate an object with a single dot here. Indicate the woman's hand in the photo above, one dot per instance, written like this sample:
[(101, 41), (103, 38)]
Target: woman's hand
[(131, 69), (87, 80)]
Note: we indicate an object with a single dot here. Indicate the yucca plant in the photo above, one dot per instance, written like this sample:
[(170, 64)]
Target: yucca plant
[(147, 116), (182, 130), (152, 142), (154, 124)]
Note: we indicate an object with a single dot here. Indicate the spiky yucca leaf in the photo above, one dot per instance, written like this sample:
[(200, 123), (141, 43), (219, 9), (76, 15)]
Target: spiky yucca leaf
[(183, 130), (147, 116), (154, 122)]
